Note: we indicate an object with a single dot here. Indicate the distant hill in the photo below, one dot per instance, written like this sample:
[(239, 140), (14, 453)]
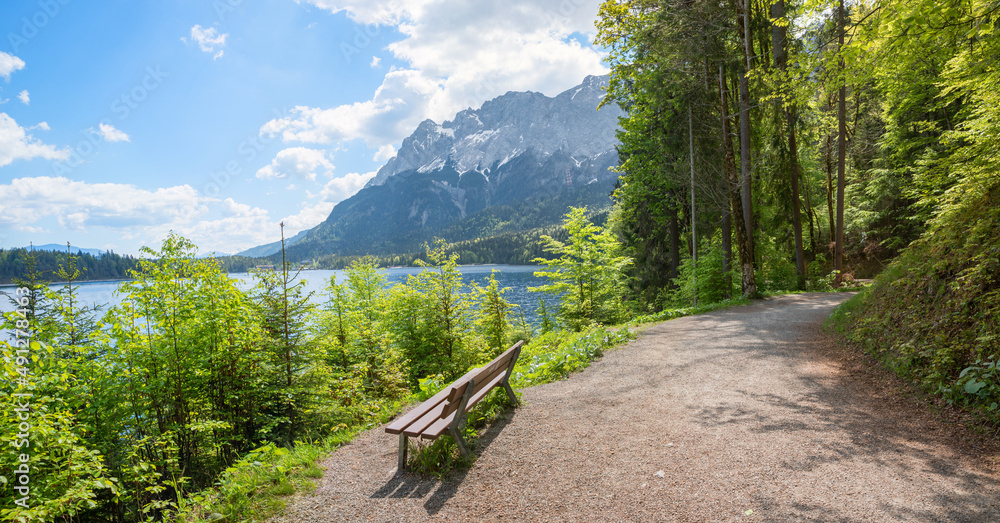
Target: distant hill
[(515, 164), (271, 248), (62, 248)]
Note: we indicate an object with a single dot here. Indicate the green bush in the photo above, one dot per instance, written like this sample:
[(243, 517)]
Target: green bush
[(713, 284)]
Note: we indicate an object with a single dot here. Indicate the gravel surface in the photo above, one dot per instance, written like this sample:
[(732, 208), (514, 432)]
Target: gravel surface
[(747, 414)]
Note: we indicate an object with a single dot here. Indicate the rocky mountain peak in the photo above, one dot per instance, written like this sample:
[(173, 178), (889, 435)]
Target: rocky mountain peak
[(508, 126)]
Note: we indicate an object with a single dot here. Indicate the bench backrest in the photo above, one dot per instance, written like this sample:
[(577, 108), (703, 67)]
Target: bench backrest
[(481, 378)]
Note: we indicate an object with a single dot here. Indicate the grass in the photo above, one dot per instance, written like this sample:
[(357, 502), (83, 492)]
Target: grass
[(670, 314)]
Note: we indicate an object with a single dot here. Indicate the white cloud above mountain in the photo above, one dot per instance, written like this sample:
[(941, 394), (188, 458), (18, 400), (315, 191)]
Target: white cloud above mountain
[(342, 188), (334, 192), (297, 162), (458, 55), (384, 153)]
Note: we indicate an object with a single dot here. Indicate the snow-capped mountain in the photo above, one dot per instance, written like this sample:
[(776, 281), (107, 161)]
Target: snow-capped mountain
[(510, 125), (515, 163)]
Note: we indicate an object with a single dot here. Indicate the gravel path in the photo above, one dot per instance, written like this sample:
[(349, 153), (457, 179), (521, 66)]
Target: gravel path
[(746, 414)]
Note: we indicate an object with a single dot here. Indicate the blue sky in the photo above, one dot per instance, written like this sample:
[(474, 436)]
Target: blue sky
[(123, 120)]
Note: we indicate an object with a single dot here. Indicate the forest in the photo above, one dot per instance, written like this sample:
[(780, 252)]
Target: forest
[(805, 137), (767, 146), (777, 145), (16, 263)]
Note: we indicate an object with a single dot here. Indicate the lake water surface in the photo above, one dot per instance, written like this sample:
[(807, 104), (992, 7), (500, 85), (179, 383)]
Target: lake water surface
[(517, 278)]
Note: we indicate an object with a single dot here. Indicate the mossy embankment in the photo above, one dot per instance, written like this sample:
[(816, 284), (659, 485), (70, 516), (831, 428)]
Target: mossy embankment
[(933, 316)]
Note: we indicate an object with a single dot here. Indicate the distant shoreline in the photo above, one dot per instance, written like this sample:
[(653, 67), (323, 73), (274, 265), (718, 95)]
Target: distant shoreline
[(82, 282), (85, 282)]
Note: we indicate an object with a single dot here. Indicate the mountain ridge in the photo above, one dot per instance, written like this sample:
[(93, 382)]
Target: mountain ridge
[(522, 150)]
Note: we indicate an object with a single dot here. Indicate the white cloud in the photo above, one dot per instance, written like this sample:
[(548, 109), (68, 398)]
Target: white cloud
[(133, 213), (111, 134), (459, 54), (339, 189), (375, 61), (78, 205), (238, 227), (209, 39), (384, 153), (9, 64), (297, 161), (40, 125), (390, 115), (333, 192), (16, 144), (24, 97), (309, 217)]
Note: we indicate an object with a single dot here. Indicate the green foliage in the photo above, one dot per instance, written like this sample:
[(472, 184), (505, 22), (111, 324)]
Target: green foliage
[(66, 476), (776, 272), (492, 316), (555, 355), (933, 314), (44, 266), (297, 404), (587, 275), (713, 283), (445, 308), (669, 314)]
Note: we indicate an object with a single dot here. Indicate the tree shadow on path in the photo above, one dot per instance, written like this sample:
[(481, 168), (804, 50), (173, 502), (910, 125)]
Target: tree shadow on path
[(406, 484)]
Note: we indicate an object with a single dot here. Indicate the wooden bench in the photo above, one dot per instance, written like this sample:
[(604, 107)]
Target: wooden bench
[(445, 412)]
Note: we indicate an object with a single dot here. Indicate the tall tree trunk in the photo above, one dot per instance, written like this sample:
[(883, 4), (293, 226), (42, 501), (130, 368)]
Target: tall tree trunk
[(779, 32), (838, 263), (694, 232), (745, 176), (830, 209), (675, 243), (800, 255), (749, 282), (811, 213), (727, 249)]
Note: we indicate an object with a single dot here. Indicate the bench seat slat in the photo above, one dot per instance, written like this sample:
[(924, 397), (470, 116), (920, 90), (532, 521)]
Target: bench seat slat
[(440, 426), (420, 424), (400, 424), (437, 415)]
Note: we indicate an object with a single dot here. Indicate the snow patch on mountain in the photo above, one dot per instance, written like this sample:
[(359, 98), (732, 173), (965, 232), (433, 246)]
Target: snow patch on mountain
[(507, 126)]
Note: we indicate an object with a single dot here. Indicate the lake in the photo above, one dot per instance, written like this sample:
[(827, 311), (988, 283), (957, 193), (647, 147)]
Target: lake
[(517, 278)]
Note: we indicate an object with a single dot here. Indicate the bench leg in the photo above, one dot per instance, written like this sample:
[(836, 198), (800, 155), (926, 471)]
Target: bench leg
[(510, 393), (457, 436), (402, 452)]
